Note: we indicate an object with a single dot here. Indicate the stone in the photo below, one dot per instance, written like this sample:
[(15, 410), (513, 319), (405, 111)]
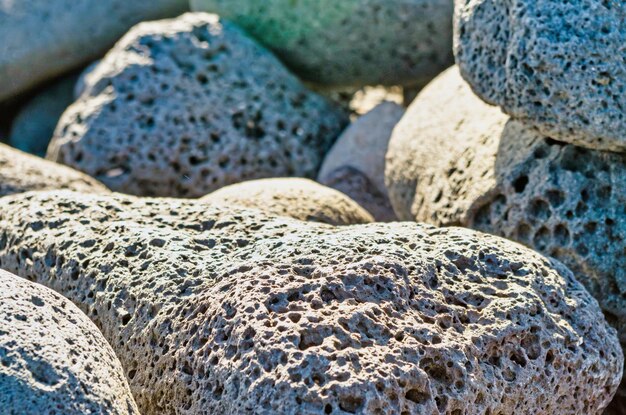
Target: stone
[(356, 163), (34, 125), (21, 172), (229, 311), (68, 33), (53, 359), (349, 42), (555, 65), (456, 161), (301, 199), (186, 106)]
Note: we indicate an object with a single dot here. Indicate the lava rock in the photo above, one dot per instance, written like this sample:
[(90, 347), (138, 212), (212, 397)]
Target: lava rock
[(349, 42), (34, 125), (42, 38), (356, 163), (228, 311), (53, 359), (558, 66), (455, 160), (297, 198), (21, 172), (186, 106)]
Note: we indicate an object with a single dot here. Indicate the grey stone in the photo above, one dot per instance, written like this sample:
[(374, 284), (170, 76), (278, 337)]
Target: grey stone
[(297, 198), (21, 172), (556, 65), (349, 42), (360, 151), (53, 359), (455, 160), (42, 38), (228, 311), (34, 125), (185, 106)]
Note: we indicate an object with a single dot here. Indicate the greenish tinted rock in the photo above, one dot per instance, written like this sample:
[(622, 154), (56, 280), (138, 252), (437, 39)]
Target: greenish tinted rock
[(349, 42)]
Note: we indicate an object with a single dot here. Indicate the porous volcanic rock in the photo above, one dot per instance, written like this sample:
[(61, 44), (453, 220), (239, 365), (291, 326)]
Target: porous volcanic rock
[(556, 65), (297, 198), (22, 172), (349, 42), (455, 160), (53, 359), (228, 311), (43, 38), (185, 106), (355, 165)]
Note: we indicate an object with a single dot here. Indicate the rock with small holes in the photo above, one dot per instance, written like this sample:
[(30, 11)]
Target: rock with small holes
[(297, 198), (21, 172), (349, 42), (556, 65), (33, 127), (229, 311), (455, 160), (53, 359), (183, 107), (356, 163), (68, 34)]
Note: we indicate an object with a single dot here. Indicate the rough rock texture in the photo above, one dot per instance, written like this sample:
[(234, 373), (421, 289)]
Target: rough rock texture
[(349, 42), (183, 107), (297, 198), (68, 33), (454, 160), (34, 125), (216, 311), (21, 172), (557, 65), (53, 360), (360, 152)]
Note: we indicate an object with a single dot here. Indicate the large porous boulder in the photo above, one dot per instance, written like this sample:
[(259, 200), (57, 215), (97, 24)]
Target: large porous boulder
[(297, 198), (43, 38), (349, 42), (21, 172), (355, 165), (33, 127), (556, 65), (229, 311), (454, 160), (53, 359), (183, 107)]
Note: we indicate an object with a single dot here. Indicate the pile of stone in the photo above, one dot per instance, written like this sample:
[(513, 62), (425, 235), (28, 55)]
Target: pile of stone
[(211, 234), (549, 172)]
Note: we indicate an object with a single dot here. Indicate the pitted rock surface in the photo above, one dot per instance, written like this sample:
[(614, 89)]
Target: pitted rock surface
[(232, 312), (349, 42), (183, 107), (360, 152), (470, 165), (53, 360), (297, 198), (556, 65), (68, 33), (21, 172)]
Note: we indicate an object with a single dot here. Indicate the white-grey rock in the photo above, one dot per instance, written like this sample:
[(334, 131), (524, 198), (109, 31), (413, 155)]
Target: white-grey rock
[(40, 39), (228, 311), (296, 198), (556, 65), (53, 359), (360, 152), (185, 106)]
